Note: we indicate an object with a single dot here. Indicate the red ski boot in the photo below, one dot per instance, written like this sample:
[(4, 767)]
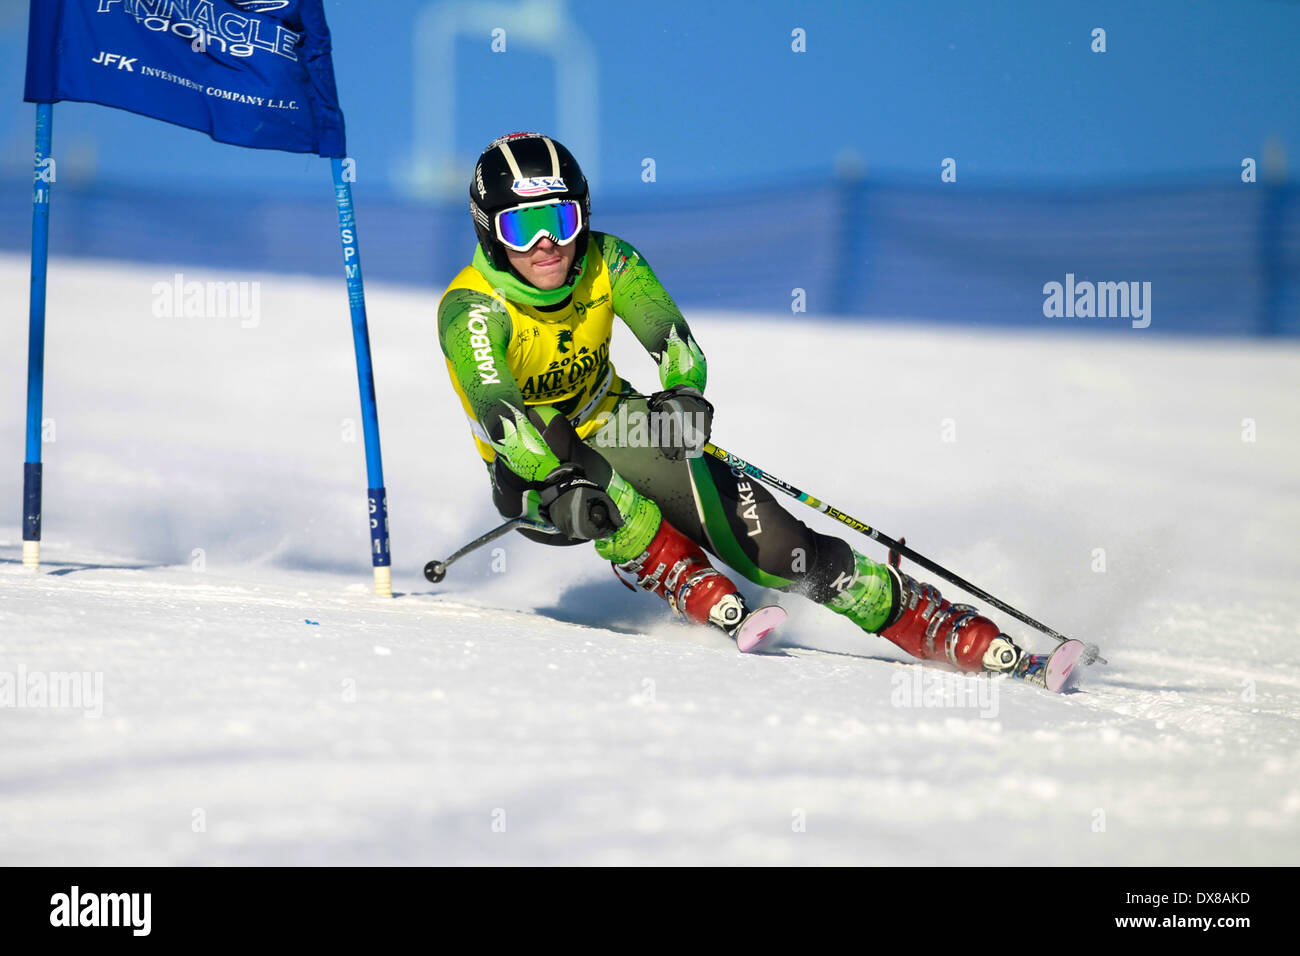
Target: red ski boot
[(676, 568), (928, 627)]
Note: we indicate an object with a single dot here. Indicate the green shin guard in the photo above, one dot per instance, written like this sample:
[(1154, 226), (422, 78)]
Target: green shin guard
[(641, 519), (868, 599)]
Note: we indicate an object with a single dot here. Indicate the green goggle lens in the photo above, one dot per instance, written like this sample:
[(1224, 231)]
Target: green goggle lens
[(521, 227)]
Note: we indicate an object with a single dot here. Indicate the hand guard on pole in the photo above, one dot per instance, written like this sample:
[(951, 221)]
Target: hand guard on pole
[(686, 422), (577, 506)]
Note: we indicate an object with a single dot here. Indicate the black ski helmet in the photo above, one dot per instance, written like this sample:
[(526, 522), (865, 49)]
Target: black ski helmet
[(519, 168)]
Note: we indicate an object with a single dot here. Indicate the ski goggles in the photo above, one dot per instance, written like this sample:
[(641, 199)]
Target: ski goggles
[(520, 227)]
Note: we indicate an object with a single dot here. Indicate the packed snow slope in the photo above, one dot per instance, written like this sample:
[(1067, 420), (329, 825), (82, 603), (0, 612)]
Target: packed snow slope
[(206, 560)]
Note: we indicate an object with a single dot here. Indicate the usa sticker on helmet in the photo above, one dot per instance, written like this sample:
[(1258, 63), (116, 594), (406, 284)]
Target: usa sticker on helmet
[(538, 185)]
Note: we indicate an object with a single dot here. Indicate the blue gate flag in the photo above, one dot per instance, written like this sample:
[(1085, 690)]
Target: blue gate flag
[(248, 72)]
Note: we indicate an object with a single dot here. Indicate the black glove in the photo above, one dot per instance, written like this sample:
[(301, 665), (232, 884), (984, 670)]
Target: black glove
[(688, 421), (577, 506)]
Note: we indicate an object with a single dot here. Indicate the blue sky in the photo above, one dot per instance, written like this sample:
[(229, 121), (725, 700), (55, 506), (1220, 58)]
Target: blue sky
[(714, 94)]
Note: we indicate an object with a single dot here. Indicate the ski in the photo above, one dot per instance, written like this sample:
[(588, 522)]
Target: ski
[(1056, 671), (756, 631)]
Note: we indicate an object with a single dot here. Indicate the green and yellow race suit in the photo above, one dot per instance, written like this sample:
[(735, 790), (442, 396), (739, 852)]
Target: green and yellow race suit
[(505, 353), (521, 358)]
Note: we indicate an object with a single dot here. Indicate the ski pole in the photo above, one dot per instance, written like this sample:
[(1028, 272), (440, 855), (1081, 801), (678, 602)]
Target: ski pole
[(1091, 651), (435, 571)]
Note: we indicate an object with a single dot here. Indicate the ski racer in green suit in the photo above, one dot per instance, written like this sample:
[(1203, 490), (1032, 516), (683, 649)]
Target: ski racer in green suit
[(525, 329)]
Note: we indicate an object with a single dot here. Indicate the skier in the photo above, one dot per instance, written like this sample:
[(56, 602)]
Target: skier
[(525, 329)]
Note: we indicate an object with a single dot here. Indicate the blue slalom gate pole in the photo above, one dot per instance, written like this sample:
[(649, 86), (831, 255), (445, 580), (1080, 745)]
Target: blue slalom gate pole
[(378, 497), (42, 181)]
